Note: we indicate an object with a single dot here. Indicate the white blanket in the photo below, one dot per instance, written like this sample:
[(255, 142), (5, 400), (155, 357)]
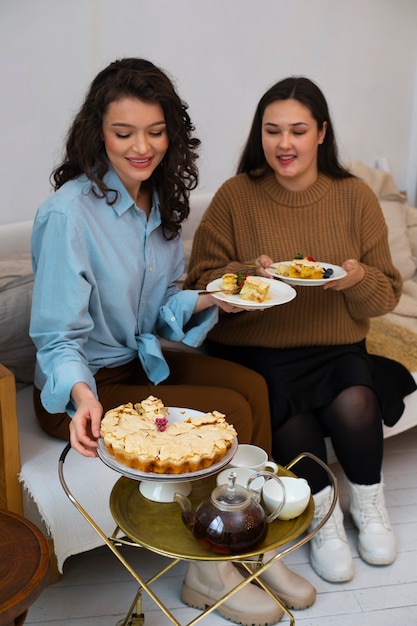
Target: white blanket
[(89, 480)]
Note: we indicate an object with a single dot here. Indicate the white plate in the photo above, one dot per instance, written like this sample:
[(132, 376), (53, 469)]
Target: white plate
[(175, 414), (279, 293), (338, 273)]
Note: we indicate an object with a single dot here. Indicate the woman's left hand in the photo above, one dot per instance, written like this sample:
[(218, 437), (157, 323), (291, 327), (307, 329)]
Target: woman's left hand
[(355, 273)]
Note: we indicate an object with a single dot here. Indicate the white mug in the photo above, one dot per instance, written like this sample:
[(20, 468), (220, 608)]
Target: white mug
[(252, 457), (297, 496)]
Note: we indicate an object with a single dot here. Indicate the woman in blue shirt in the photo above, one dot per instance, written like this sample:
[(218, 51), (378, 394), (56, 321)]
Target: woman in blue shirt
[(106, 255)]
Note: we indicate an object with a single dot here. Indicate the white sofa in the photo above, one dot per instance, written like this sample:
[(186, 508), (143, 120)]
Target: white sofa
[(44, 500)]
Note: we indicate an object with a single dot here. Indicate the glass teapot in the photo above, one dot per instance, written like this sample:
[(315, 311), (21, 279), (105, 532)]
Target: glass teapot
[(231, 520)]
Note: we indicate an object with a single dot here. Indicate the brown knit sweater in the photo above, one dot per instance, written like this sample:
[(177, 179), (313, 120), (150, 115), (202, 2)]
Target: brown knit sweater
[(333, 220)]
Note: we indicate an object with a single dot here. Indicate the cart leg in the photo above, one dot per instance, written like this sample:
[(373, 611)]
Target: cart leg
[(255, 572), (135, 617)]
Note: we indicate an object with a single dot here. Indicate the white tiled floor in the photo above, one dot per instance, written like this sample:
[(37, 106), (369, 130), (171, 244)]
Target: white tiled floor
[(97, 590)]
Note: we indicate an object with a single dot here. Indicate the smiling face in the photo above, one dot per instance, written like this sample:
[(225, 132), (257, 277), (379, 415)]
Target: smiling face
[(136, 140), (290, 140)]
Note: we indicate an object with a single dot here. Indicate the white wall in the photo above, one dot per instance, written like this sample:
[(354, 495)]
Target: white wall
[(223, 54)]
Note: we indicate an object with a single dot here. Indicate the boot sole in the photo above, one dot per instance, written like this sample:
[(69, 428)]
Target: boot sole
[(194, 598)]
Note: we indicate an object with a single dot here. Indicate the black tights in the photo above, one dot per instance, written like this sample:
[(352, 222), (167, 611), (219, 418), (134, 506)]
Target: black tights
[(354, 424)]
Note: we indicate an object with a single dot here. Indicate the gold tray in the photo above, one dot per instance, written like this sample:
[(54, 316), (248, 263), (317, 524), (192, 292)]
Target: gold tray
[(159, 526)]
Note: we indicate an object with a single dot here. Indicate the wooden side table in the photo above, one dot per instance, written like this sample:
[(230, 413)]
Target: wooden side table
[(24, 565)]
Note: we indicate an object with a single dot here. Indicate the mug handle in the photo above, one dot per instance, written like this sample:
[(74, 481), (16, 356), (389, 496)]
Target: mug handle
[(280, 505), (272, 466)]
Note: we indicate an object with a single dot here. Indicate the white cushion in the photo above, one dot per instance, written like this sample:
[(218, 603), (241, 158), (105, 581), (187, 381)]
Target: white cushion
[(89, 480), (17, 352), (395, 213)]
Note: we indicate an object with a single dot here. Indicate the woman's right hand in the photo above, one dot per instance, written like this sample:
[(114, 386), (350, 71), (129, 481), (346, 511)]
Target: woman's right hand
[(85, 424), (263, 261), (205, 301)]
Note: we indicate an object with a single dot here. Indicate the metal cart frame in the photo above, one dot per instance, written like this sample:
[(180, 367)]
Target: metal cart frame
[(135, 616)]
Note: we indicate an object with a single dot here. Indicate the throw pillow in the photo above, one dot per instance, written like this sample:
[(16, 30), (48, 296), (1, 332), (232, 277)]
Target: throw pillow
[(394, 208), (412, 230), (380, 181), (395, 213), (17, 351)]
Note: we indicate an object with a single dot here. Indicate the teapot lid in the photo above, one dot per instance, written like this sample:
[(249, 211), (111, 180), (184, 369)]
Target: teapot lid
[(231, 496)]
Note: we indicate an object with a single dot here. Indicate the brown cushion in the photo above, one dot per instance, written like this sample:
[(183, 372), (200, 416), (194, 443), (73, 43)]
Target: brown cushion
[(17, 351)]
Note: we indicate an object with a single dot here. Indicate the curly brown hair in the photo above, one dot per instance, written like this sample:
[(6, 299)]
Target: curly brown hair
[(174, 178)]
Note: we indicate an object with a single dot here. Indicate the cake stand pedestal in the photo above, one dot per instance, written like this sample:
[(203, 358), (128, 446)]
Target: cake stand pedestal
[(164, 491)]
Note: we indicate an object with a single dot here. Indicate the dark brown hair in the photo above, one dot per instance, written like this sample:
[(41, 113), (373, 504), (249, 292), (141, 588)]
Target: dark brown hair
[(174, 178), (253, 162)]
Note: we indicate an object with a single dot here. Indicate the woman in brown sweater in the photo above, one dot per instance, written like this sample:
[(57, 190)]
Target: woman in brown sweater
[(291, 195)]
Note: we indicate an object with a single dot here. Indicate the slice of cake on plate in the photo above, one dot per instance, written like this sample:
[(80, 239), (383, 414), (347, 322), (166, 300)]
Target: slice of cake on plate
[(255, 289)]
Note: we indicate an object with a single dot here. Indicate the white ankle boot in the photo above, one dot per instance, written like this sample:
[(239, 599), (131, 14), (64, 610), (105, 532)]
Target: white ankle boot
[(207, 581), (376, 542), (293, 590), (330, 554)]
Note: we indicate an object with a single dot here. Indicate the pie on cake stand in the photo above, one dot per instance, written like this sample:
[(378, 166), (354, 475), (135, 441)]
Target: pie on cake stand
[(162, 487)]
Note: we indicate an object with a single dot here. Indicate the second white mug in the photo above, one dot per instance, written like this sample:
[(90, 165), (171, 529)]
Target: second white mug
[(252, 457)]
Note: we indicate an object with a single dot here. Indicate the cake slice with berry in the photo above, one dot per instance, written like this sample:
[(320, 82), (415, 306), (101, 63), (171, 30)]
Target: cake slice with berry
[(305, 267), (248, 287)]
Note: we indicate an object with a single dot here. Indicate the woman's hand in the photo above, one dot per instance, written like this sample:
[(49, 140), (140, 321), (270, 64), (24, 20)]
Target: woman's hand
[(85, 424), (355, 273), (206, 301), (263, 261)]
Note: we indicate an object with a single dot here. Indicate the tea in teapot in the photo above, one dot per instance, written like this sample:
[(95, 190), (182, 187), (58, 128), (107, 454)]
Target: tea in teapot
[(231, 520)]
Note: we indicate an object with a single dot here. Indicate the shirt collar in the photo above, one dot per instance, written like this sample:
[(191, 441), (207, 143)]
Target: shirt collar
[(124, 200)]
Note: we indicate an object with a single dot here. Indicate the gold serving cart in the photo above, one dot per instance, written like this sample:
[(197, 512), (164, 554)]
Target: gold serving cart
[(159, 527)]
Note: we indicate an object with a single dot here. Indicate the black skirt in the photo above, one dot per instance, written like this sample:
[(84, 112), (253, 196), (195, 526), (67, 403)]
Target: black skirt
[(304, 379)]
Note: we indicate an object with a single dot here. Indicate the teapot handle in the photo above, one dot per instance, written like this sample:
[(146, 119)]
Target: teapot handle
[(280, 505)]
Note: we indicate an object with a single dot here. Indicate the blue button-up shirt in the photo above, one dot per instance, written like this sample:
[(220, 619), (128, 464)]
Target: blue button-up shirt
[(105, 290)]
